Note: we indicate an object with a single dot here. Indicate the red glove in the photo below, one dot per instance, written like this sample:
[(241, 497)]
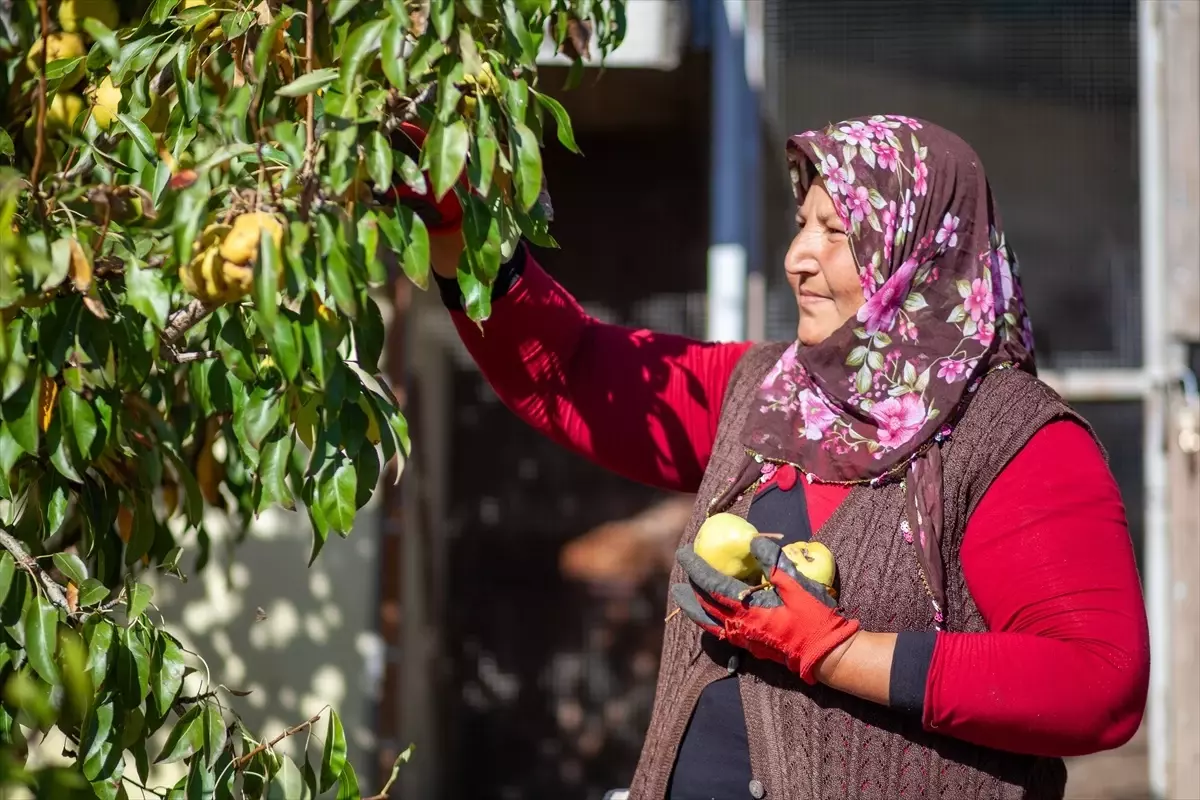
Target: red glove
[(440, 216), (795, 624)]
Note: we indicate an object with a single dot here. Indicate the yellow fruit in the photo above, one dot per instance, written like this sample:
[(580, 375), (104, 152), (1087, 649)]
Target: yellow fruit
[(205, 21), (62, 112), (106, 101), (58, 45), (241, 244), (724, 542), (238, 279), (71, 13), (813, 560)]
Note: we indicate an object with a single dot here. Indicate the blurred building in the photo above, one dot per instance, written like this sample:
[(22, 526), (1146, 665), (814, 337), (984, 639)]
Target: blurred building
[(521, 589)]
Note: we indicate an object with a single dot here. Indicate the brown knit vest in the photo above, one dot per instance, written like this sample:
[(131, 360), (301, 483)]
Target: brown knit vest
[(810, 742)]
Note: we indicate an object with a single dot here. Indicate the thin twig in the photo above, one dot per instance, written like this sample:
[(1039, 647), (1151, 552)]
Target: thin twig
[(391, 781), (241, 763), (54, 592), (188, 356), (40, 146), (184, 320)]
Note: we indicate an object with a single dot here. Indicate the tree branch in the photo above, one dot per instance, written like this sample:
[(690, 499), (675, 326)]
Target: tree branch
[(54, 592), (40, 145), (241, 763), (184, 320), (310, 35)]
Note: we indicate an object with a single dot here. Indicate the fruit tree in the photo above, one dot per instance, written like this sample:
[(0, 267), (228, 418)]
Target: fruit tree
[(198, 202)]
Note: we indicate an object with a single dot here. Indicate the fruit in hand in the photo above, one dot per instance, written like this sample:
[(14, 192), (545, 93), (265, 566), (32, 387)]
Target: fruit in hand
[(813, 560), (724, 542)]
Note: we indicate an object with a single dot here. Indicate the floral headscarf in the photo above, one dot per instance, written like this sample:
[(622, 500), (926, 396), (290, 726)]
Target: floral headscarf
[(943, 307)]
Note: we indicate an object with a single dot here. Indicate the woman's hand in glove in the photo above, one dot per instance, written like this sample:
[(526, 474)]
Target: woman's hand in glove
[(795, 623)]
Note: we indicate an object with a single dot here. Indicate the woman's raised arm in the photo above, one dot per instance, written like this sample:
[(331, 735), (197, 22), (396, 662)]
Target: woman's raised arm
[(642, 404)]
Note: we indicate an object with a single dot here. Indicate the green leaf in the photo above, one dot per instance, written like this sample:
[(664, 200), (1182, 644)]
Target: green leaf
[(445, 150), (21, 415), (235, 23), (566, 133), (141, 539), (267, 276), (214, 732), (333, 757), (441, 14), (141, 135), (273, 471), (340, 8), (528, 172), (100, 646), (185, 739), (348, 785), (81, 419), (364, 41), (57, 504), (369, 333), (8, 568), (336, 495), (262, 414), (309, 83), (147, 293), (285, 345), (339, 279), (41, 638), (6, 144), (288, 783), (139, 596), (392, 56), (92, 591), (201, 783), (514, 25), (407, 234), (95, 746), (72, 566), (379, 160), (516, 98), (160, 12), (133, 667), (60, 454), (235, 349)]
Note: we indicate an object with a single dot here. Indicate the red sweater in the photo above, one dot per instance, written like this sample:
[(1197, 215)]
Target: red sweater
[(1047, 556)]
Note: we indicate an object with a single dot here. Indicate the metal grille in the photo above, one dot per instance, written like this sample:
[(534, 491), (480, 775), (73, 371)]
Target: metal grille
[(1045, 90)]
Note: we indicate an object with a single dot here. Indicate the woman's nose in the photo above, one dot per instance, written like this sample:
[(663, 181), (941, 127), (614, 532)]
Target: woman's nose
[(801, 258)]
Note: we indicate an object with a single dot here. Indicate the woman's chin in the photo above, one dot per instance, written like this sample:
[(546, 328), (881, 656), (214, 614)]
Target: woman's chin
[(811, 333)]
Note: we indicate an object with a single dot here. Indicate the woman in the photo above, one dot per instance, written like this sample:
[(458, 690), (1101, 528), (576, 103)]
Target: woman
[(989, 619)]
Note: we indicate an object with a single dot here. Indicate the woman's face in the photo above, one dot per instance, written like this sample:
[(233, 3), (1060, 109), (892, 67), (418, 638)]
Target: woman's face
[(820, 269)]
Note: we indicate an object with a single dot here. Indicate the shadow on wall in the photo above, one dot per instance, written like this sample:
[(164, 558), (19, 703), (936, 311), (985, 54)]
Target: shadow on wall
[(298, 639)]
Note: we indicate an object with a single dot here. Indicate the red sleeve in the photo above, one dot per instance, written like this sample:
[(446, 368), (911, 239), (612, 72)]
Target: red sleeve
[(1048, 559), (644, 405)]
